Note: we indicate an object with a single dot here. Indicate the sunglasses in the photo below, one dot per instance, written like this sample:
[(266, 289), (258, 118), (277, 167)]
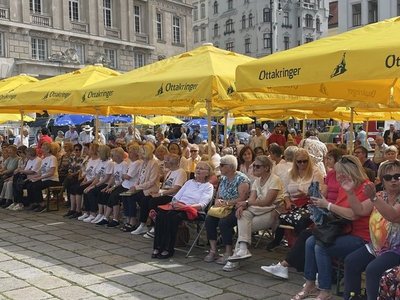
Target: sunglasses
[(194, 150), (304, 161), (389, 177), (257, 166)]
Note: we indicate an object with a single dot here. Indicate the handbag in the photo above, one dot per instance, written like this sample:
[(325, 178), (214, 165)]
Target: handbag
[(220, 211), (332, 227)]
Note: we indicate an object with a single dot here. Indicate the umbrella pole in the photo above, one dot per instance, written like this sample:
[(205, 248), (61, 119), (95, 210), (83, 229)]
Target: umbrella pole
[(217, 133), (134, 127), (226, 129), (351, 130), (96, 126), (304, 126), (22, 128), (366, 132), (209, 108), (342, 133)]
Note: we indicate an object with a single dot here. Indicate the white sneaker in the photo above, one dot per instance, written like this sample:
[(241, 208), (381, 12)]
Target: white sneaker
[(18, 207), (277, 270), (230, 266), (89, 219), (83, 217), (240, 255), (11, 206), (140, 230), (97, 219)]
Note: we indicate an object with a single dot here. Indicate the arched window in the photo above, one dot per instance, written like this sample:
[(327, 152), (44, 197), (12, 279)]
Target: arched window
[(318, 24), (203, 10), (250, 19), (215, 7), (266, 14), (243, 22), (195, 13), (229, 26), (309, 21), (216, 29)]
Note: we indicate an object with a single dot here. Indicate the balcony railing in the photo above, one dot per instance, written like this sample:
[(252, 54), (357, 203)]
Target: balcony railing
[(112, 32), (4, 13), (41, 20), (81, 27)]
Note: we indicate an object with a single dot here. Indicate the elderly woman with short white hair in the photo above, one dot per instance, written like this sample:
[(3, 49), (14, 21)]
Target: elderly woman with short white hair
[(234, 188)]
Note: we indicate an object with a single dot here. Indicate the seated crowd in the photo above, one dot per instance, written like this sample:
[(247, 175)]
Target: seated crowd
[(267, 186)]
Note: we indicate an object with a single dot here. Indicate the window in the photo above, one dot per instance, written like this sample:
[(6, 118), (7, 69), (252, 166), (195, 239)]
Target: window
[(229, 46), (318, 4), (159, 26), (74, 10), (35, 6), (107, 13), (356, 14), (215, 7), (80, 51), (230, 4), (309, 39), (286, 18), (250, 20), (196, 35), (309, 21), (2, 51), (195, 13), (139, 60), (318, 24), (266, 15), (298, 22), (267, 40), (216, 29), (203, 10), (136, 17), (372, 12), (243, 22), (39, 48), (247, 45), (176, 30), (111, 55), (286, 42), (202, 33), (229, 26)]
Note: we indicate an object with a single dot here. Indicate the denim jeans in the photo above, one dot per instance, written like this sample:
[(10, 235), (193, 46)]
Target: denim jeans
[(374, 267), (319, 258)]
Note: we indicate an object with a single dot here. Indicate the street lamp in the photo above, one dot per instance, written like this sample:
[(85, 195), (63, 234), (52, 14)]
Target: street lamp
[(274, 23)]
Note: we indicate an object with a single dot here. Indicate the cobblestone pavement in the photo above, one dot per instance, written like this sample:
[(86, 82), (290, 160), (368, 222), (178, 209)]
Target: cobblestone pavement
[(45, 256)]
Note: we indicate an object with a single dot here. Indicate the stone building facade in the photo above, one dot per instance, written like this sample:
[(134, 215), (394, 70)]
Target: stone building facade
[(258, 28), (49, 37)]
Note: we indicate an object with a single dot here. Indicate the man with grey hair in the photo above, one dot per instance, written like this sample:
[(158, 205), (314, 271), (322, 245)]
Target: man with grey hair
[(379, 151), (25, 138)]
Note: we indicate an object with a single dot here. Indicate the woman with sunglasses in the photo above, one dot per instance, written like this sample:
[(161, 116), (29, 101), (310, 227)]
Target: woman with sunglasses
[(296, 196), (383, 252), (318, 257)]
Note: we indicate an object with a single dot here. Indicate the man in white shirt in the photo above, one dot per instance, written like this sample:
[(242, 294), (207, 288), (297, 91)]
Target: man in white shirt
[(25, 139), (259, 140), (130, 136), (86, 136), (71, 135)]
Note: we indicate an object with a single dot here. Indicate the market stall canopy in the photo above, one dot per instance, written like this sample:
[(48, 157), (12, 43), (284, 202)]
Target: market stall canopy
[(205, 73), (59, 92), (239, 120), (9, 84), (358, 65)]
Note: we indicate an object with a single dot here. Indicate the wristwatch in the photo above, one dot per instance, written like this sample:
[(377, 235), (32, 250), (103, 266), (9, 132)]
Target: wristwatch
[(373, 200), (247, 203)]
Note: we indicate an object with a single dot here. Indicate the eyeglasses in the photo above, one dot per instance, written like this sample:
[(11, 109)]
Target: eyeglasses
[(257, 166), (304, 161), (344, 160), (221, 165), (202, 169), (77, 150), (389, 177), (194, 150)]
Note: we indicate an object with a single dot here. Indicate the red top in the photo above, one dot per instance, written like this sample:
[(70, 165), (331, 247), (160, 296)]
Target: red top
[(360, 226), (277, 138)]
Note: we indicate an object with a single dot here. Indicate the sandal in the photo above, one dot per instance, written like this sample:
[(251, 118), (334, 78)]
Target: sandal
[(324, 297), (303, 294), (127, 227)]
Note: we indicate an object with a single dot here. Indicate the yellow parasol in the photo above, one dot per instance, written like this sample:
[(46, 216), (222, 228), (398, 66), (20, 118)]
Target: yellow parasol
[(14, 117), (358, 65), (239, 120), (165, 120)]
